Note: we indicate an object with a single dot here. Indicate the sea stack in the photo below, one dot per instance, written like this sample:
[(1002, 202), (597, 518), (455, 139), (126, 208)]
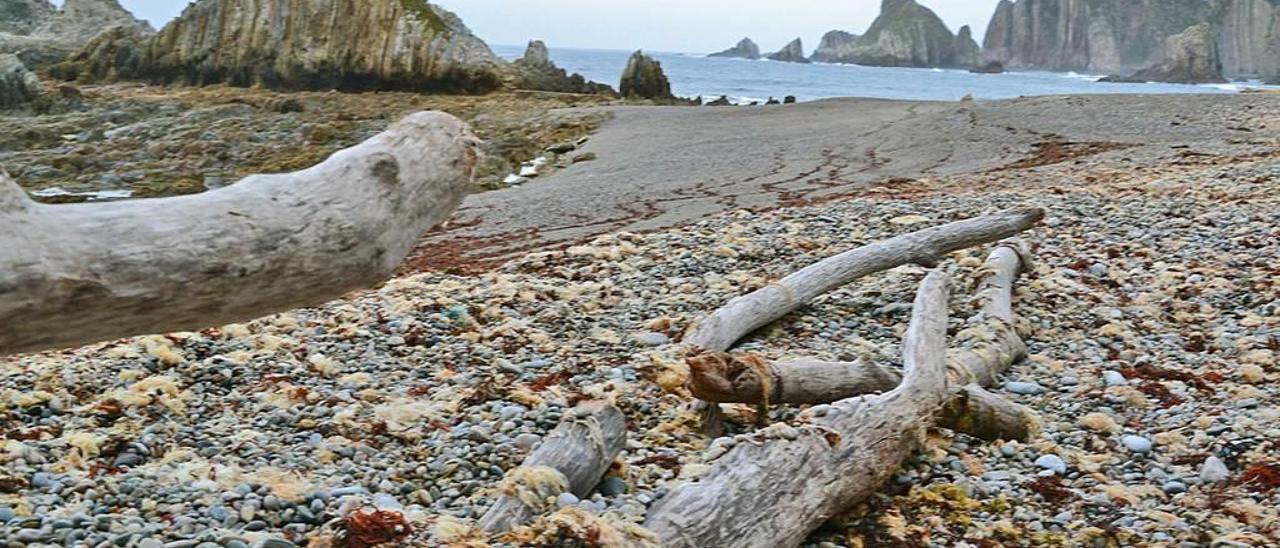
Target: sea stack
[(837, 46), (1189, 58), (537, 72), (791, 53), (643, 79), (907, 34), (18, 86), (350, 45), (746, 49)]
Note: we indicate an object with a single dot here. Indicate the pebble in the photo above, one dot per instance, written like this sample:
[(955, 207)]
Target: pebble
[(1137, 444), (1114, 378), (613, 486), (1024, 388), (1052, 463), (566, 499), (652, 339), (1174, 487), (1214, 471)]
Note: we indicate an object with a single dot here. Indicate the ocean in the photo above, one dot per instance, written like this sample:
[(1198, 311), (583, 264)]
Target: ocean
[(744, 80)]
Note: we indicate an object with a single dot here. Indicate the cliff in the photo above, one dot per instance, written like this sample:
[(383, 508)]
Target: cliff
[(17, 85), (790, 53), (836, 47), (42, 35), (1188, 58), (1120, 36), (907, 34), (746, 49), (338, 44)]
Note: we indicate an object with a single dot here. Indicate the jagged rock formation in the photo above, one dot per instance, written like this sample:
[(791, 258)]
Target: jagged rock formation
[(644, 79), (791, 53), (746, 49), (1120, 36), (968, 52), (537, 72), (337, 44), (116, 54), (42, 35), (18, 86), (907, 34), (1189, 58), (836, 47)]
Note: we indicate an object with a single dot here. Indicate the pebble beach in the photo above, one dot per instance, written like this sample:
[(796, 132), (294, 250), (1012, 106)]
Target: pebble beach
[(1154, 321)]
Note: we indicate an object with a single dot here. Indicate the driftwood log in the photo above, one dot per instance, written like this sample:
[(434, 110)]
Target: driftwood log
[(84, 273), (720, 331), (780, 484), (572, 459)]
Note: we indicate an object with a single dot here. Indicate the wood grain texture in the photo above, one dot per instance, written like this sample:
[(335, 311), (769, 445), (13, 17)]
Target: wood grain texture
[(83, 273), (572, 459)]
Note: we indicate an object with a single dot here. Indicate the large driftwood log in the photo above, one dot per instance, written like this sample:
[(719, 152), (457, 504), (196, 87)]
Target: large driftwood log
[(572, 459), (776, 490), (83, 273), (987, 416)]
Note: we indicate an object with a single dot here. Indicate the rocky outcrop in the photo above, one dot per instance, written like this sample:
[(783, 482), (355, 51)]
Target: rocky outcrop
[(746, 49), (349, 45), (836, 47), (791, 53), (990, 67), (1121, 36), (43, 37), (537, 72), (644, 79), (968, 52), (116, 54), (907, 34), (18, 86), (1188, 58)]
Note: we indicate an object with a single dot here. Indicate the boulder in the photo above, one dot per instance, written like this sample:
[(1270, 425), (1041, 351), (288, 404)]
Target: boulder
[(116, 54), (18, 86), (536, 71), (837, 46), (791, 53), (351, 45), (990, 67), (746, 49), (643, 79), (723, 101), (42, 37), (1188, 58)]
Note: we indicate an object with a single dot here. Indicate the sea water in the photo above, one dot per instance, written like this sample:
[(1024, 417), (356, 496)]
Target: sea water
[(744, 81)]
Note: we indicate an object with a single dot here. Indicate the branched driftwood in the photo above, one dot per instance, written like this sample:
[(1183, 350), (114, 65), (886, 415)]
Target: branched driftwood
[(780, 484), (77, 274), (572, 459), (726, 326), (776, 488)]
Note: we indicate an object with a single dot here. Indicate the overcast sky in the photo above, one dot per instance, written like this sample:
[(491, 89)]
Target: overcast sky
[(659, 25)]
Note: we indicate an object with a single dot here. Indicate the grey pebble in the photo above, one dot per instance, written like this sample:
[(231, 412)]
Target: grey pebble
[(1114, 378), (1024, 388), (1053, 463), (1214, 471), (1137, 444), (1174, 487)]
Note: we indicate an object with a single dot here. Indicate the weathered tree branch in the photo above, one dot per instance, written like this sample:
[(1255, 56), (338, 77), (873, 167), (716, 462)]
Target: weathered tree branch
[(571, 459), (77, 274), (987, 416), (735, 320), (777, 486)]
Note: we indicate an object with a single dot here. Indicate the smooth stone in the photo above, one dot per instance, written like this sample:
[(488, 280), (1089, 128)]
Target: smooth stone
[(1053, 463), (1137, 444), (273, 543), (566, 499), (527, 441), (1114, 378), (1024, 388), (6, 514), (1214, 471), (652, 339), (1174, 487), (613, 486)]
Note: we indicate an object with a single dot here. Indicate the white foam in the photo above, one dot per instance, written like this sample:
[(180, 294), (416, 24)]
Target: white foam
[(93, 195)]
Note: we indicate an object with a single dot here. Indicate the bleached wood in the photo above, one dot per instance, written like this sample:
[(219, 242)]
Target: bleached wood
[(775, 487), (578, 452), (735, 320), (984, 415), (747, 378), (83, 273)]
